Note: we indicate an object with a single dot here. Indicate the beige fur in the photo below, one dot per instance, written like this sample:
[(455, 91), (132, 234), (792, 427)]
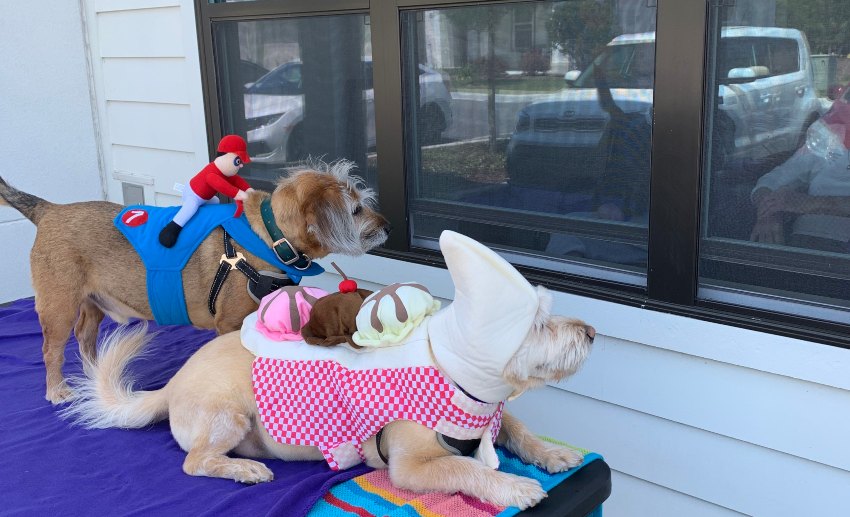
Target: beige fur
[(83, 267), (211, 406)]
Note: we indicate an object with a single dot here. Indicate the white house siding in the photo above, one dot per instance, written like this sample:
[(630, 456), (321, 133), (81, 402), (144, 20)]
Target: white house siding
[(47, 135), (139, 60), (694, 418), (150, 103)]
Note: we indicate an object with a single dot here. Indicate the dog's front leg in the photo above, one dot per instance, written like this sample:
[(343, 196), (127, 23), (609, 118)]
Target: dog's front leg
[(515, 437), (417, 462), (469, 476)]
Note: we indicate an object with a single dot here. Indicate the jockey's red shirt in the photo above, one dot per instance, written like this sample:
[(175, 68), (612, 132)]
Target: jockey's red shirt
[(211, 180)]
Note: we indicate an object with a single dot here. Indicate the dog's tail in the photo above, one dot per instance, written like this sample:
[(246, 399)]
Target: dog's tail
[(105, 396), (31, 206)]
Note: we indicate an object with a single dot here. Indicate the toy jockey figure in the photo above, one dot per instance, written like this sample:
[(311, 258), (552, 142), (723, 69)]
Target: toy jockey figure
[(219, 176)]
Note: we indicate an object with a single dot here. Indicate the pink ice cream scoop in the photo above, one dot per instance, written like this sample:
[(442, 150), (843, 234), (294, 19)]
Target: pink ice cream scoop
[(283, 313)]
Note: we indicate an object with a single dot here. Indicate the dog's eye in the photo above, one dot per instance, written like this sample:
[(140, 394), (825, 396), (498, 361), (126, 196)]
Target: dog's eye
[(357, 210)]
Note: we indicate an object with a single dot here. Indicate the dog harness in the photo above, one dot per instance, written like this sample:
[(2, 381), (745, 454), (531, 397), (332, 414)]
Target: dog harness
[(324, 404), (141, 225)]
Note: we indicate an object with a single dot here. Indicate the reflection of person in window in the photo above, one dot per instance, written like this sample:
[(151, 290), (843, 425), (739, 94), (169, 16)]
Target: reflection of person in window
[(622, 192), (814, 185)]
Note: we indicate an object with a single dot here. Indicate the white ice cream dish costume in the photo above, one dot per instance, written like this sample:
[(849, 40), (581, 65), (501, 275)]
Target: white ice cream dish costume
[(446, 373)]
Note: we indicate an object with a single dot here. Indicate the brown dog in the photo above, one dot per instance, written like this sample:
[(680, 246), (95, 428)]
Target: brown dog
[(212, 411), (83, 267)]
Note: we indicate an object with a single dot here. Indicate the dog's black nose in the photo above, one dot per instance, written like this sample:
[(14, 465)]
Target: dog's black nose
[(388, 228), (590, 331)]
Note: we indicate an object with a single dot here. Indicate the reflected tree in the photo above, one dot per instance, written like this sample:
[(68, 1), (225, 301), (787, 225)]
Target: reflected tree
[(466, 19), (581, 28), (826, 23)]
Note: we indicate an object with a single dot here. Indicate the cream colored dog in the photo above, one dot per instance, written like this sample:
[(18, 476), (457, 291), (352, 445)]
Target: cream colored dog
[(212, 409)]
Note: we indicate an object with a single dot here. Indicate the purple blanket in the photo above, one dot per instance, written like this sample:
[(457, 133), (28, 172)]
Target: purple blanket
[(50, 467)]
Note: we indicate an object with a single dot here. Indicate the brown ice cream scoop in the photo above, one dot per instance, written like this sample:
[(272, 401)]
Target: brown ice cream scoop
[(334, 319)]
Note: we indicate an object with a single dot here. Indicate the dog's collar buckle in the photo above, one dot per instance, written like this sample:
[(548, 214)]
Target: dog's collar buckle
[(231, 261), (282, 248), (296, 257)]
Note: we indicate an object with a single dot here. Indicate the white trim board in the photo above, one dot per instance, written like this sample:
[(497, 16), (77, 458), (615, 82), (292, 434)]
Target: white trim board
[(799, 359)]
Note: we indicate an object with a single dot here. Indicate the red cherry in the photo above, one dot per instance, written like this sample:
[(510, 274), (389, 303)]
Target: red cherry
[(347, 286)]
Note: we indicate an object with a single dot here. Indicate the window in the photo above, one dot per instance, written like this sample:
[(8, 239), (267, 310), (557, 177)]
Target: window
[(765, 56), (315, 99), (776, 229), (523, 27), (784, 56), (626, 64), (700, 167), (555, 175)]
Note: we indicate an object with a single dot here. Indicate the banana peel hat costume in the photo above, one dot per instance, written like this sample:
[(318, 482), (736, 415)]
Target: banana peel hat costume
[(446, 375)]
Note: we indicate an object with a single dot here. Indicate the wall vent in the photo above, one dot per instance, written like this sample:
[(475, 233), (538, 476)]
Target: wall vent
[(133, 194)]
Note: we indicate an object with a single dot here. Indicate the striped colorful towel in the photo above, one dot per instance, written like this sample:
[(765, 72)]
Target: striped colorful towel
[(373, 494)]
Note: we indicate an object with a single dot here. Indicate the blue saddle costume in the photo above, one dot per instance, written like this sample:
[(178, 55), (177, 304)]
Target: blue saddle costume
[(141, 225)]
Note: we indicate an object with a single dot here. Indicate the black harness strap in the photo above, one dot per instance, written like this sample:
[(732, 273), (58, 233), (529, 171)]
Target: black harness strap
[(453, 445), (378, 446), (458, 447), (263, 284), (468, 394)]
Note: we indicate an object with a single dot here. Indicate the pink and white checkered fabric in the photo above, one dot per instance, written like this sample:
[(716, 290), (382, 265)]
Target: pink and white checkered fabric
[(327, 405)]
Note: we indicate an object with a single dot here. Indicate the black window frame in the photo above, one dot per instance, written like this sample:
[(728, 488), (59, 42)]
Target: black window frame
[(677, 157)]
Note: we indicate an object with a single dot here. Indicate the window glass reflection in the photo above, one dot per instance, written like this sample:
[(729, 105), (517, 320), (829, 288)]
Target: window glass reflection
[(298, 89), (529, 128), (776, 228)]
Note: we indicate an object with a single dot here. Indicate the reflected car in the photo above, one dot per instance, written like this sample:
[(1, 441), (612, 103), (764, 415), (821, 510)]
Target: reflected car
[(250, 71), (274, 112), (766, 101)]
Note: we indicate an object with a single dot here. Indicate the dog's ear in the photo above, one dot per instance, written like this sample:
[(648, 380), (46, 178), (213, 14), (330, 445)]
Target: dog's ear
[(312, 219), (326, 217), (316, 213)]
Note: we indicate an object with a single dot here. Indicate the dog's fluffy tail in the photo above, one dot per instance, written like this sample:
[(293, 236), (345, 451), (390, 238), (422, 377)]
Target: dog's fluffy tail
[(105, 396), (31, 206)]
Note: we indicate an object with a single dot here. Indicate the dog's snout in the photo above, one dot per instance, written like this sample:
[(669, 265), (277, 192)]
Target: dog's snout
[(590, 331), (388, 228)]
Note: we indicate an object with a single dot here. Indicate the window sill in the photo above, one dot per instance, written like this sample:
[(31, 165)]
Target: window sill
[(688, 332)]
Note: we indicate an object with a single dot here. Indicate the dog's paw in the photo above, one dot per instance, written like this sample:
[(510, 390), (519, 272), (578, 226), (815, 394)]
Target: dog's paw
[(521, 492), (59, 394), (559, 459), (251, 472)]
